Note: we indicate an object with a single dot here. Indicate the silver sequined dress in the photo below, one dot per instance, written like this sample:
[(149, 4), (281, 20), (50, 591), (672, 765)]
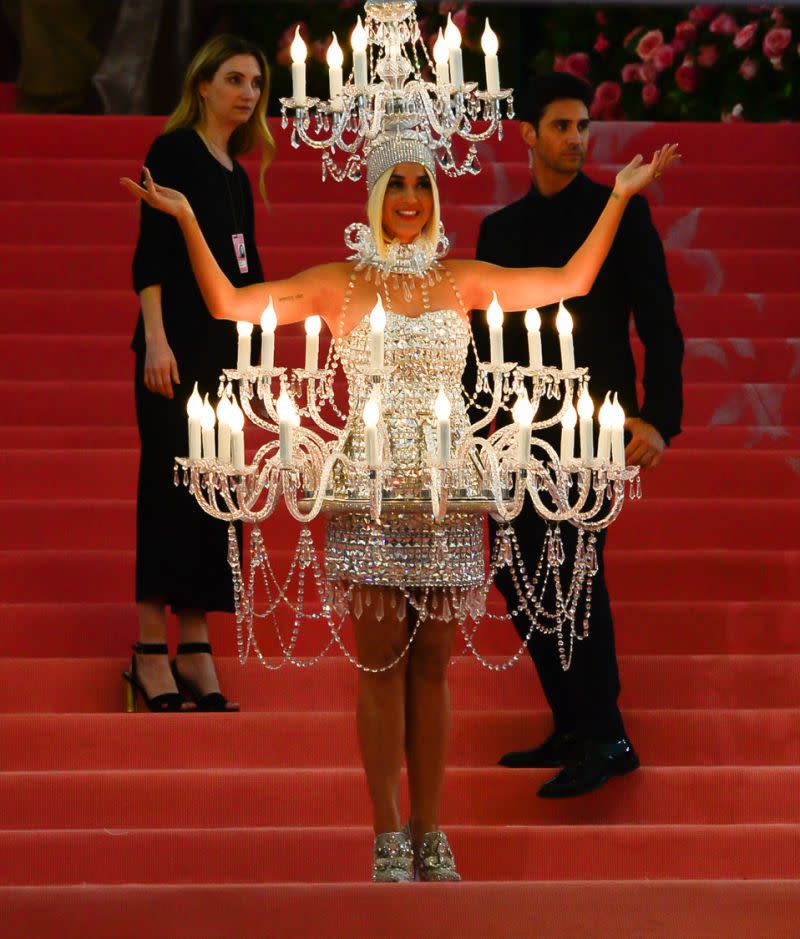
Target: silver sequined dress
[(408, 547)]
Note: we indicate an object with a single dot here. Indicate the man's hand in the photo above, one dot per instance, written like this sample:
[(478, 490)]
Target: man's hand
[(160, 367), (647, 445)]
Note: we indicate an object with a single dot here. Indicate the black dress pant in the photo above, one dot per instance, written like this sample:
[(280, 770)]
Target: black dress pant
[(583, 699), (181, 552)]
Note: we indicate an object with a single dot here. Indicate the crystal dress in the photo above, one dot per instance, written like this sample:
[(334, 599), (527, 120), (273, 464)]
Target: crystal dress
[(408, 548)]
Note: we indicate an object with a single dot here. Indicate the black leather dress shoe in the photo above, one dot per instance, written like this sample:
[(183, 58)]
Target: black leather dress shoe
[(557, 750), (592, 769)]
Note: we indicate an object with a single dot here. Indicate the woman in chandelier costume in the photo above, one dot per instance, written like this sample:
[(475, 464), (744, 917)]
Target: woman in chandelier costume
[(410, 571)]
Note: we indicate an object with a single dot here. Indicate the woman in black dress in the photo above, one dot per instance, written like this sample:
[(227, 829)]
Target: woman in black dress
[(181, 553)]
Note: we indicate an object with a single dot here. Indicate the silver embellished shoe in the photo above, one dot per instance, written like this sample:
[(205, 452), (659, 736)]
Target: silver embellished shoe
[(393, 857), (435, 860)]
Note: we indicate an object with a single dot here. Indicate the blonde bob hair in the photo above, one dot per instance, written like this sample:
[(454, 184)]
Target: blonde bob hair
[(190, 109), (429, 233)]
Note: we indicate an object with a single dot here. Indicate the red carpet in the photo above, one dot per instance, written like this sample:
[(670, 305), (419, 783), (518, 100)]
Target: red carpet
[(256, 825)]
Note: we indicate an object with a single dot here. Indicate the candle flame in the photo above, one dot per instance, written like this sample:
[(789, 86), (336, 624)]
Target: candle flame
[(235, 417), (372, 412), (194, 406), (494, 315), (619, 414), (523, 410), (313, 325), (585, 406), (451, 34), (285, 408), (358, 38), (335, 56), (207, 416), (298, 48), (442, 407), (244, 328), (440, 51), (607, 412), (563, 320), (269, 318), (489, 42), (377, 318), (533, 320), (569, 418), (223, 409)]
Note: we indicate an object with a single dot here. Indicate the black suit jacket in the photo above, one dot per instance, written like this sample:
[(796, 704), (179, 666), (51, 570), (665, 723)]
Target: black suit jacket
[(545, 232)]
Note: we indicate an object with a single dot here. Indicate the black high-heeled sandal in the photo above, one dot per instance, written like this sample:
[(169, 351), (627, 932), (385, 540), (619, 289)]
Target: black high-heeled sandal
[(212, 700), (167, 701)]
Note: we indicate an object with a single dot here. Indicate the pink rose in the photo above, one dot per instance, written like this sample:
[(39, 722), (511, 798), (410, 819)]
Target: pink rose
[(777, 16), (650, 94), (632, 72), (678, 46), (686, 76), (707, 56), (744, 38), (724, 25), (610, 112), (560, 63), (649, 71), (606, 105), (601, 18), (686, 32), (777, 63), (648, 44), (776, 42), (608, 93), (748, 69), (601, 44), (702, 13), (663, 57), (577, 64), (632, 35)]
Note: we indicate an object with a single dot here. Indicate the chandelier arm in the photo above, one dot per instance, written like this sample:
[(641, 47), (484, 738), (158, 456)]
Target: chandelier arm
[(313, 410), (494, 407), (290, 495)]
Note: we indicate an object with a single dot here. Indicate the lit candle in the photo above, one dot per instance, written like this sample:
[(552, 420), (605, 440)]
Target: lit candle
[(236, 421), (377, 324), (523, 417), (224, 429), (269, 322), (286, 420), (607, 417), (372, 414), (494, 317), (358, 42), (585, 411), (568, 422), (207, 421), (245, 330), (335, 59), (441, 55), (313, 326), (194, 408), (453, 39), (618, 434), (441, 408), (564, 327), (297, 51), (533, 323), (489, 45)]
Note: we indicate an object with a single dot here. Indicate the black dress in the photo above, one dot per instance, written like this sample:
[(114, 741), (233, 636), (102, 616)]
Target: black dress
[(181, 553)]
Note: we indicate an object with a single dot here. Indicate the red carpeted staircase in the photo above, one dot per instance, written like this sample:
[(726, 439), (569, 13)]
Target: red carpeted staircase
[(257, 824)]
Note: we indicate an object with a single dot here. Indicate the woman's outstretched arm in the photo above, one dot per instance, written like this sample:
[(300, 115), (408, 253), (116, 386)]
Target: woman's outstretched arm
[(520, 288), (315, 290)]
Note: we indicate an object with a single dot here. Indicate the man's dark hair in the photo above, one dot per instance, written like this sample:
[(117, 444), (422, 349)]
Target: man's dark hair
[(543, 90)]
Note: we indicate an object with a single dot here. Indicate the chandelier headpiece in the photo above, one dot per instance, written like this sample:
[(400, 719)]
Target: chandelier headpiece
[(392, 148)]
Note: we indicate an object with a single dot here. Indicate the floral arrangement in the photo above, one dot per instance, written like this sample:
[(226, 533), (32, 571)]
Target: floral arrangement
[(706, 63)]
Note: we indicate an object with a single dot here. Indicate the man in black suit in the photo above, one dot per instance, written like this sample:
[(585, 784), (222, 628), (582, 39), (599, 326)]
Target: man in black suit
[(544, 228)]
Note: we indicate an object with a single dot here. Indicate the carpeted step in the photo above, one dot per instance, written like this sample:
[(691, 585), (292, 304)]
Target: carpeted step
[(522, 853), (66, 223), (649, 681), (266, 797), (668, 737), (91, 629)]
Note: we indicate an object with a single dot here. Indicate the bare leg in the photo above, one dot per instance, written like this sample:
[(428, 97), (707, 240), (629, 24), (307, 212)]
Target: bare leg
[(153, 670), (428, 718), (381, 631)]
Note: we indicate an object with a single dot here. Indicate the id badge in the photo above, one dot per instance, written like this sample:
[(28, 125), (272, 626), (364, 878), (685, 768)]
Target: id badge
[(241, 253)]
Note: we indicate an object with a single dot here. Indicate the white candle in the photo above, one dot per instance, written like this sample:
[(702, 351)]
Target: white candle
[(618, 434), (313, 326), (568, 422), (533, 323), (564, 327), (194, 408), (453, 39), (297, 51), (494, 317), (607, 417), (335, 59), (286, 419), (585, 411), (207, 422), (358, 42), (224, 429), (489, 45), (377, 324), (523, 417), (441, 56), (245, 331), (236, 421), (372, 413), (441, 408), (269, 322)]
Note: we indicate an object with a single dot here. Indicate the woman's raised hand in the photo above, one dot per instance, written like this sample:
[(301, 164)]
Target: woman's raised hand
[(158, 197), (635, 176)]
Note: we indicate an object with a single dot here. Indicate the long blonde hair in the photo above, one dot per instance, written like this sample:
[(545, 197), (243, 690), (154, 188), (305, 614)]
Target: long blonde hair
[(190, 109), (430, 232)]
